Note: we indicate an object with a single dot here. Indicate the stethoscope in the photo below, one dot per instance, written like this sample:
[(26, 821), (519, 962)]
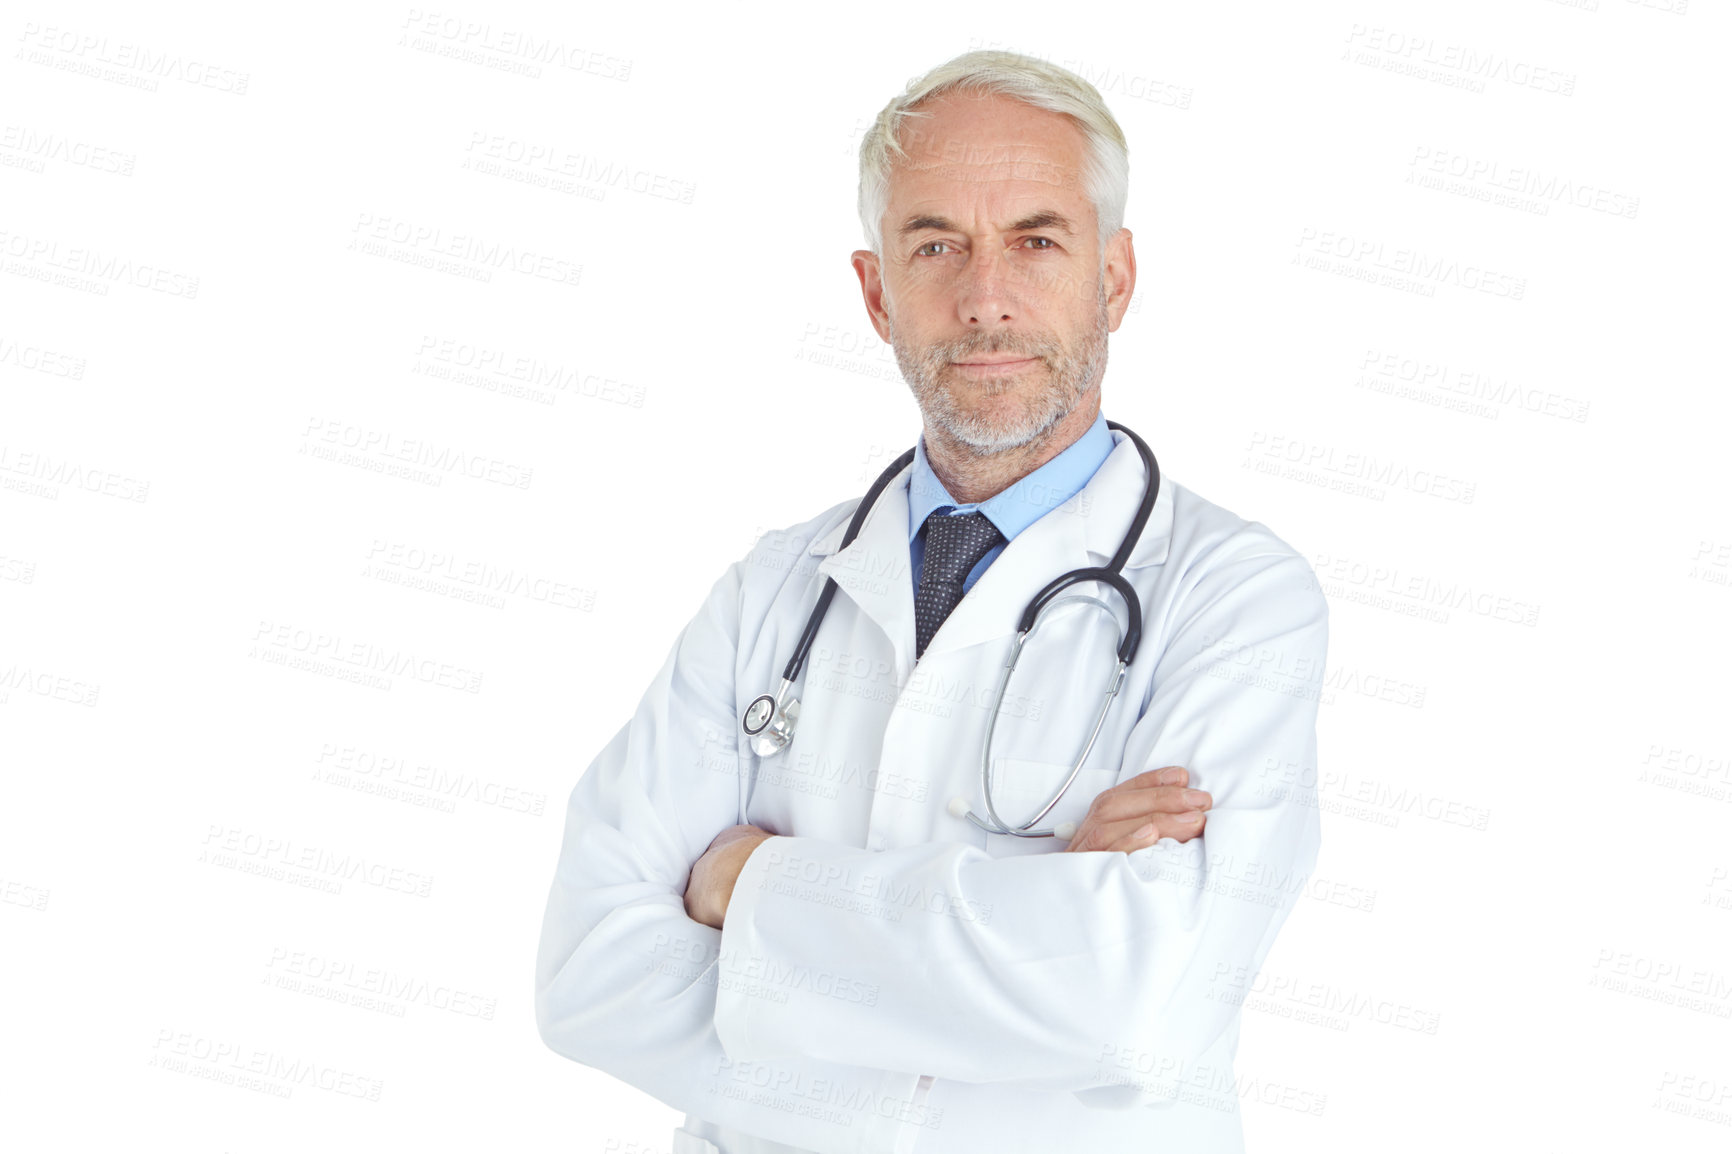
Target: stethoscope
[(769, 720)]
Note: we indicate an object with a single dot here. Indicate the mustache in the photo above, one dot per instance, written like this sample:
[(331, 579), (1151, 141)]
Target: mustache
[(1025, 344)]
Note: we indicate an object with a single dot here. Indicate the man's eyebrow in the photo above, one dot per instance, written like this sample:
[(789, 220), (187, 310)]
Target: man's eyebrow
[(1044, 219), (922, 223)]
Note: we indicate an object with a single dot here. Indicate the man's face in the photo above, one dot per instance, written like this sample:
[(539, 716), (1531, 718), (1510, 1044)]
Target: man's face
[(990, 285)]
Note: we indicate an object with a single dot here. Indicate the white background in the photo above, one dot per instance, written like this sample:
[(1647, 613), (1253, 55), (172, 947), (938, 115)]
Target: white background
[(227, 238)]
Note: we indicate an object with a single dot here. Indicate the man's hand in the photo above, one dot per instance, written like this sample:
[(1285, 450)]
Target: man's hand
[(1138, 812), (713, 875)]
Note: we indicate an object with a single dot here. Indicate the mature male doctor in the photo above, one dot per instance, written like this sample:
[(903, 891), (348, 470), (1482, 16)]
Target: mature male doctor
[(825, 948)]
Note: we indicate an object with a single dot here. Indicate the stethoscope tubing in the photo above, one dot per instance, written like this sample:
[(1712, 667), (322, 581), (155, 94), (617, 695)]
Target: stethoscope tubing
[(804, 646), (779, 712)]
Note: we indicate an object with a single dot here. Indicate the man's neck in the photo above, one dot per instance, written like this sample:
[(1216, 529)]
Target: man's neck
[(972, 477)]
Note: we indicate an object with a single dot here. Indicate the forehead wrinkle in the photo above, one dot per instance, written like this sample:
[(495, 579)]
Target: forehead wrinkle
[(1047, 196)]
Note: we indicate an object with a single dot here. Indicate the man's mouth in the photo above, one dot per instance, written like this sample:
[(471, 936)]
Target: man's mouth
[(993, 366)]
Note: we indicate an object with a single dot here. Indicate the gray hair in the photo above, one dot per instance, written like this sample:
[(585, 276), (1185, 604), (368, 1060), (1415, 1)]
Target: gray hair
[(1106, 170)]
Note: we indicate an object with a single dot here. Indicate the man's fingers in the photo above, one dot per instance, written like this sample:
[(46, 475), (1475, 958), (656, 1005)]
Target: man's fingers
[(1144, 835), (1136, 833), (1166, 775), (1121, 804), (1118, 817)]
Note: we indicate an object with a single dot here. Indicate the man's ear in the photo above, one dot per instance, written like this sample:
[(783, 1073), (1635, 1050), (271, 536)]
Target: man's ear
[(1120, 273), (867, 268)]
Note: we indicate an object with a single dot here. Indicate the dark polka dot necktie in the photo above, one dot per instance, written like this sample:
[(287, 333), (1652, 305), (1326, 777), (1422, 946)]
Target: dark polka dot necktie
[(954, 545)]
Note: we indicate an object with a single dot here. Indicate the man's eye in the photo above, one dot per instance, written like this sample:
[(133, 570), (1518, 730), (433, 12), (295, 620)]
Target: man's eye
[(931, 244), (1043, 241)]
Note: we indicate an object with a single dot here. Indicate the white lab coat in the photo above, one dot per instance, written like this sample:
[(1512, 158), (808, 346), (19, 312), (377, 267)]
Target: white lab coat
[(890, 977)]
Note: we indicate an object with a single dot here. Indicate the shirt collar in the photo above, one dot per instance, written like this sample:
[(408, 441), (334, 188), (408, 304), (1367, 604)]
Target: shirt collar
[(1025, 502)]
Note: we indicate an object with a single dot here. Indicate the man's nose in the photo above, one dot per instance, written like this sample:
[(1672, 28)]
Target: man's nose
[(986, 296)]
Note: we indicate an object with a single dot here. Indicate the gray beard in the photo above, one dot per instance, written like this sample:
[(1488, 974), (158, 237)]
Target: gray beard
[(1069, 378)]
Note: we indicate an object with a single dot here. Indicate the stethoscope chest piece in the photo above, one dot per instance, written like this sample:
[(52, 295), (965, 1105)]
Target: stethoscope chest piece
[(758, 714), (769, 721)]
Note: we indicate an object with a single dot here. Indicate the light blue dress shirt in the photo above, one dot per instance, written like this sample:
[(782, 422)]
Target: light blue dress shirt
[(1012, 510)]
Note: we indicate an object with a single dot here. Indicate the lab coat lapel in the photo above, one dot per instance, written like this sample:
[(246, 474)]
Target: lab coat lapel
[(1083, 532), (874, 570)]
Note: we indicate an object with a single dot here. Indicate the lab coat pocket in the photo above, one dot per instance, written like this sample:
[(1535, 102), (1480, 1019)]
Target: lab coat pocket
[(1021, 787)]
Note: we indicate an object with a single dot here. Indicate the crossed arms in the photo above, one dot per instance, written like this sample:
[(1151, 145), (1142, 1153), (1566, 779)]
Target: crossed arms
[(1087, 954)]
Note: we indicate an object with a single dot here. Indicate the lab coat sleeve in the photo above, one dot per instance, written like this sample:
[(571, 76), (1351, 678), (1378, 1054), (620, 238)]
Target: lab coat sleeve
[(1102, 973), (625, 981)]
